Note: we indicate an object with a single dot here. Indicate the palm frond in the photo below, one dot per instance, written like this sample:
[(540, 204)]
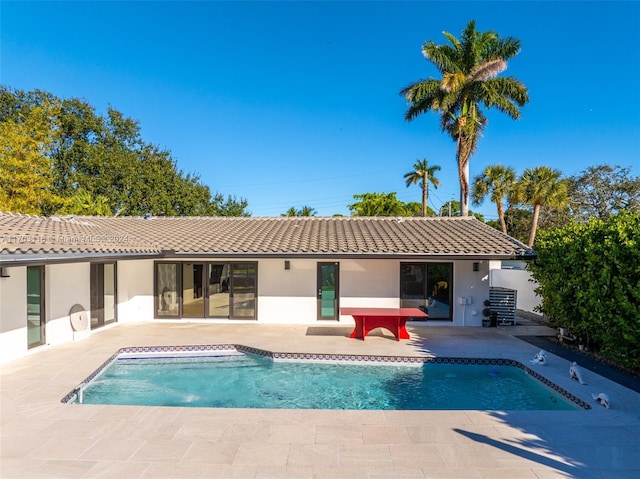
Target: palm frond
[(442, 56), (506, 94), (505, 48)]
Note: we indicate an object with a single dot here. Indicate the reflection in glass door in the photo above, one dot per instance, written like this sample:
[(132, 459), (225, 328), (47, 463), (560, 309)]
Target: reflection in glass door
[(35, 306), (243, 290), (328, 291), (193, 290), (206, 290), (219, 286), (427, 286), (167, 289)]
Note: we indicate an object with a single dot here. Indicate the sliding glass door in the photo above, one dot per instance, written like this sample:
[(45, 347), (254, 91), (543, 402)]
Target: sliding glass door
[(219, 290), (35, 306), (103, 294), (193, 290), (167, 290), (427, 286), (243, 290), (206, 290)]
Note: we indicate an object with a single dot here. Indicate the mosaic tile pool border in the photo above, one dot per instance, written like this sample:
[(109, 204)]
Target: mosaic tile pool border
[(320, 357)]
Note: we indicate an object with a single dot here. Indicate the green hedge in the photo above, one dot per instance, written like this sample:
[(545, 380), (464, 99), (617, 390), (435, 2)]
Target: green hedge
[(589, 280)]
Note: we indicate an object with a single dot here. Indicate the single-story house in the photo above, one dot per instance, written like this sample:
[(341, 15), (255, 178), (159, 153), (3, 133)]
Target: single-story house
[(63, 277)]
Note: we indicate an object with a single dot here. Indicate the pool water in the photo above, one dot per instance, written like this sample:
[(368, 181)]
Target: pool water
[(248, 381)]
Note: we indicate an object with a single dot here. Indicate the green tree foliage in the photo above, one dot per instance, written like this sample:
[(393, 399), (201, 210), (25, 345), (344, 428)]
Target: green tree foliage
[(304, 211), (26, 168), (589, 280), (378, 204), (424, 174), (84, 203), (100, 164), (603, 190), (496, 181), (469, 67)]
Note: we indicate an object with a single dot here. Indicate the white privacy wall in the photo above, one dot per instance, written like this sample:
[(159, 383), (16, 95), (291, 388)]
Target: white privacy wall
[(521, 281)]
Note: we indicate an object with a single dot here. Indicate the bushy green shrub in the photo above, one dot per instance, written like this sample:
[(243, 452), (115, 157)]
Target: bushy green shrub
[(588, 276)]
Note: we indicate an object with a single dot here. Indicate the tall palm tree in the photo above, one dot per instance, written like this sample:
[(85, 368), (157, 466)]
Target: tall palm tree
[(540, 186), (498, 181), (424, 174), (469, 68)]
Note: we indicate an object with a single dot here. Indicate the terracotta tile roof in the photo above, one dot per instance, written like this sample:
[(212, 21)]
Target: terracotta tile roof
[(39, 235), (283, 236)]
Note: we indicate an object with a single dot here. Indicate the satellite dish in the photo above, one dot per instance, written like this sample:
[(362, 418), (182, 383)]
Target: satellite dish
[(79, 317)]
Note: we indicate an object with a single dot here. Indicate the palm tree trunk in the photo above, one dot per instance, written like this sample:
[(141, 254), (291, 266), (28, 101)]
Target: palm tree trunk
[(425, 195), (463, 153), (503, 223), (534, 224), (464, 189)]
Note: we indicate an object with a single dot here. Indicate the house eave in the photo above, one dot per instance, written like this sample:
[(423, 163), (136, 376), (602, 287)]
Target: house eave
[(61, 258)]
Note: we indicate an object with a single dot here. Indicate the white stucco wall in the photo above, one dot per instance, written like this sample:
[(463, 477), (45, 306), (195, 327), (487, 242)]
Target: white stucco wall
[(13, 314), (472, 285), (135, 290), (286, 296), (65, 285), (289, 296)]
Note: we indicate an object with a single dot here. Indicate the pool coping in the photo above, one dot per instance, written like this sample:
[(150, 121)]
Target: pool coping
[(328, 357)]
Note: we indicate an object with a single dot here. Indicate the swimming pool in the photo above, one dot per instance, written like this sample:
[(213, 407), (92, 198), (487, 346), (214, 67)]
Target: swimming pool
[(233, 378)]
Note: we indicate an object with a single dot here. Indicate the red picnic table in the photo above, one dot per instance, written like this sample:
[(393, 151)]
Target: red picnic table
[(393, 319)]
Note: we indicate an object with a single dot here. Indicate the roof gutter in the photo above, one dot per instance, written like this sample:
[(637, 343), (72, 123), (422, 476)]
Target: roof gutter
[(62, 258)]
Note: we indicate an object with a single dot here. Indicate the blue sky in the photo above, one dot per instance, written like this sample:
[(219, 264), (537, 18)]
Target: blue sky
[(296, 103)]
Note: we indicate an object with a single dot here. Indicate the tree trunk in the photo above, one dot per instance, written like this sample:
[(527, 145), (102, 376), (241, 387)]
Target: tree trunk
[(463, 152), (464, 188), (534, 224), (425, 195), (503, 223)]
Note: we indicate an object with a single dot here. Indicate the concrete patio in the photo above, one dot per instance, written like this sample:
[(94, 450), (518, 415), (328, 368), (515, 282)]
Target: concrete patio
[(43, 438)]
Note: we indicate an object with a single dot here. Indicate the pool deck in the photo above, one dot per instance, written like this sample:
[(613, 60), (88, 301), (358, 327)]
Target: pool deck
[(43, 438)]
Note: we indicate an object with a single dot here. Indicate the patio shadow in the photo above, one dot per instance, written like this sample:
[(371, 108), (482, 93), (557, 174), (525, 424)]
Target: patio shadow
[(570, 469)]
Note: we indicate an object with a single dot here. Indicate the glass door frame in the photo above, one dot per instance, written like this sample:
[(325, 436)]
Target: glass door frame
[(203, 288), (235, 288), (336, 286), (97, 291), (179, 265), (41, 305), (158, 302), (411, 298)]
